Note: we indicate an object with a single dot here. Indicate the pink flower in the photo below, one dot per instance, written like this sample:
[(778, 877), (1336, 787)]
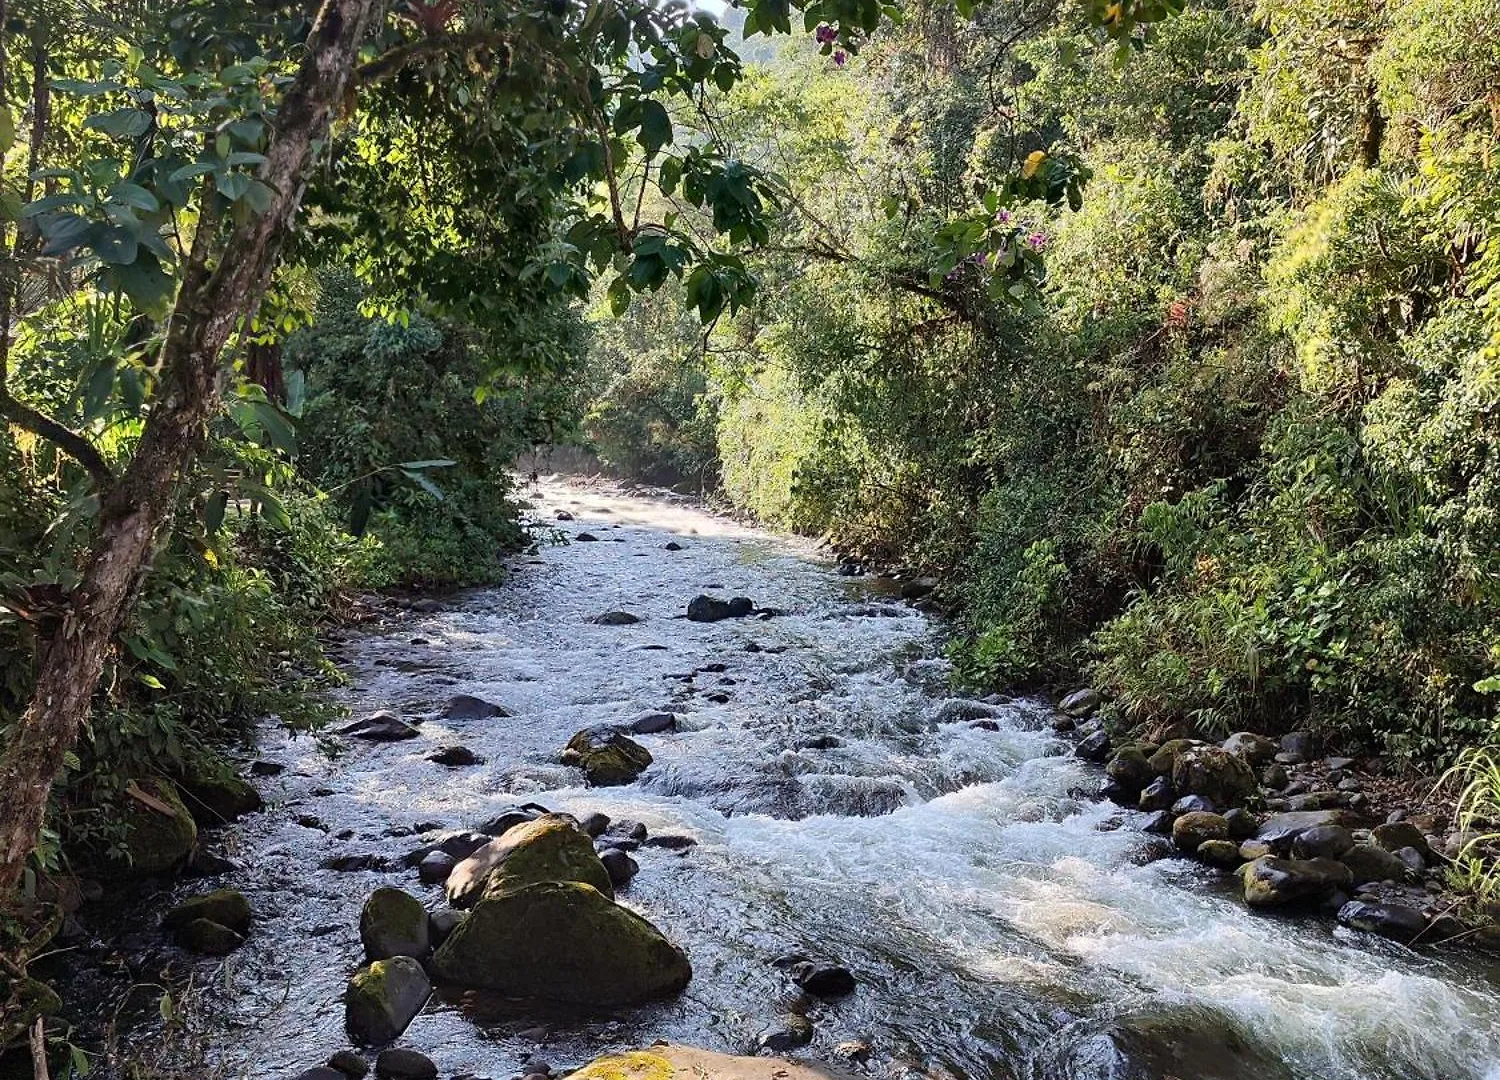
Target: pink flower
[(1003, 217), (1037, 241), (826, 35), (839, 56)]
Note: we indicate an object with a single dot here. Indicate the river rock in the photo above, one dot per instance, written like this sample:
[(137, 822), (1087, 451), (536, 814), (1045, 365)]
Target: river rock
[(394, 923), (402, 1064), (1191, 830), (823, 980), (1280, 830), (788, 1033), (663, 1062), (350, 1064), (322, 1072), (227, 907), (1250, 850), (1130, 769), (1302, 744), (1079, 703), (159, 830), (620, 865), (586, 538), (1393, 836), (1274, 777), (208, 937), (382, 726), (625, 834), (383, 998), (1224, 853), (1369, 863), (606, 756), (1194, 804), (1094, 748), (550, 848), (435, 867), (615, 618), (217, 797), (1322, 842), (1395, 921), (1242, 823), (467, 707), (705, 608), (1275, 882), (561, 941), (455, 757), (441, 923), (1159, 823), (506, 820), (1412, 858), (1315, 800), (652, 723), (1213, 773), (594, 824), (1157, 795), (1195, 1044), (1255, 749), (1164, 758)]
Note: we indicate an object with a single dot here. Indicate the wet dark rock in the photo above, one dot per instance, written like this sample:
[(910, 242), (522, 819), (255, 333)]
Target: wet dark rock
[(322, 1072), (382, 726), (606, 756), (209, 937), (706, 608), (350, 1064), (1214, 773), (1242, 824), (217, 798), (1322, 842), (227, 907), (788, 1033), (1393, 836), (820, 742), (441, 923), (615, 618), (576, 946), (1063, 724), (718, 698), (1192, 829), (1158, 795), (1159, 823), (1370, 863), (356, 863), (1395, 921), (672, 545), (455, 757), (435, 867), (1274, 777), (1194, 804), (1280, 830), (204, 863), (1192, 1045), (1302, 744), (671, 841), (1221, 853), (551, 848), (620, 866), (652, 723), (394, 923), (625, 834), (1094, 748), (823, 980), (585, 538), (312, 821), (563, 515), (593, 825), (1412, 858), (1275, 882), (506, 820), (261, 767), (383, 998), (1130, 769), (1117, 792), (1079, 703), (402, 1064), (467, 707)]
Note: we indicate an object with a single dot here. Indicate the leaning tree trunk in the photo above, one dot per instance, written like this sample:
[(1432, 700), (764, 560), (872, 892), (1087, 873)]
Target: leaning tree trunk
[(210, 305)]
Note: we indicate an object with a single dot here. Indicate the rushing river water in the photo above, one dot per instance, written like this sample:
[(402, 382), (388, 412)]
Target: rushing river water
[(1001, 923)]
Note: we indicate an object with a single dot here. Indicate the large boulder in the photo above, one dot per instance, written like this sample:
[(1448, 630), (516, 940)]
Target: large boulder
[(1255, 749), (606, 756), (1079, 703), (1273, 882), (381, 726), (227, 907), (1369, 863), (1395, 921), (383, 998), (1130, 769), (1280, 830), (549, 848), (394, 923), (215, 796), (1192, 830), (561, 941), (1165, 757), (1213, 773), (159, 830)]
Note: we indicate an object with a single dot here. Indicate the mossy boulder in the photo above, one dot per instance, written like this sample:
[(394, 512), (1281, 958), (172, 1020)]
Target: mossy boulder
[(1166, 755), (1130, 769), (394, 923), (209, 937), (22, 1001), (1216, 774), (548, 848), (561, 941), (160, 831), (215, 796), (1191, 831), (1273, 882), (383, 998), (606, 756), (227, 907)]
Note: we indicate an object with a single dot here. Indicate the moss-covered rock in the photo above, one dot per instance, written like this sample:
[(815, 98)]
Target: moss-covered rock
[(1222, 853), (1273, 882), (561, 941), (606, 756), (1216, 774), (1190, 831), (1166, 755), (209, 937), (21, 1002), (227, 907), (1130, 769), (215, 796), (549, 848), (383, 998), (157, 840), (394, 923)]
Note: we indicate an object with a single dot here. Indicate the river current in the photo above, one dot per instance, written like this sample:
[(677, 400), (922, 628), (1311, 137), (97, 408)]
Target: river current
[(1001, 922)]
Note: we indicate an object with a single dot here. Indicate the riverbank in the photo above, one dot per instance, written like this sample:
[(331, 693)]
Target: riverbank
[(843, 804)]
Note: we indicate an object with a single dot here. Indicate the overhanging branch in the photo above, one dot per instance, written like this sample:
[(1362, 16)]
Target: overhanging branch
[(64, 438)]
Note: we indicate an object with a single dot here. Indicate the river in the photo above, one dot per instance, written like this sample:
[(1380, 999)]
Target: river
[(1001, 923)]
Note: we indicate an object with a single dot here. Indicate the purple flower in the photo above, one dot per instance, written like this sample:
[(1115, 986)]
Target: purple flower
[(1037, 241), (1003, 217), (839, 56), (826, 35)]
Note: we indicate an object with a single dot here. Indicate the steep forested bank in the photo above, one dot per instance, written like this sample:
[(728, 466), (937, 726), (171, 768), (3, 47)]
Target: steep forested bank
[(1235, 457)]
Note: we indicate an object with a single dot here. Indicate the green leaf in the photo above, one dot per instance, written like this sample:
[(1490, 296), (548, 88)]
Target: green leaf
[(430, 463), (197, 168), (7, 129), (121, 124), (420, 478), (134, 195), (232, 185), (64, 233), (656, 126), (213, 511)]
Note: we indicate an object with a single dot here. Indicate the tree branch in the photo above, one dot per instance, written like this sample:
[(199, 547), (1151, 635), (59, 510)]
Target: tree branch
[(64, 438)]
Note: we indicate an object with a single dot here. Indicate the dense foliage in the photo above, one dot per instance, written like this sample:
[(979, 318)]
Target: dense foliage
[(1234, 459)]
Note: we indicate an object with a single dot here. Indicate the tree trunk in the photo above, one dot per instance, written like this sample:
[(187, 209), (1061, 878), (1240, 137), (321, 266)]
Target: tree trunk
[(210, 306)]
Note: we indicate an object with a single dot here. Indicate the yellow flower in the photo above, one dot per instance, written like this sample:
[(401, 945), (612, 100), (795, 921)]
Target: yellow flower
[(1112, 13), (1033, 163)]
